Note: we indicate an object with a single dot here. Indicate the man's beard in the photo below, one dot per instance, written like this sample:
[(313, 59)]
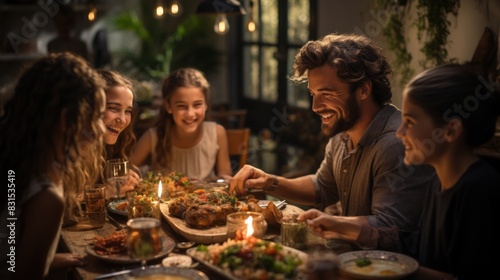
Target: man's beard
[(347, 122)]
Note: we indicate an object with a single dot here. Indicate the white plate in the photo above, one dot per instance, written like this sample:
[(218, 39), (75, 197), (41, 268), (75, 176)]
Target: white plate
[(162, 272), (384, 265), (112, 207), (168, 246)]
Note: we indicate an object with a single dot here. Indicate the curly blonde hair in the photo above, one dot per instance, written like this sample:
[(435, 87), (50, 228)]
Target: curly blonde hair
[(57, 89)]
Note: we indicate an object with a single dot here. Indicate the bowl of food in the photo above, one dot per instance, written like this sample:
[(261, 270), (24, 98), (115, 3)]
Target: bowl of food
[(374, 264)]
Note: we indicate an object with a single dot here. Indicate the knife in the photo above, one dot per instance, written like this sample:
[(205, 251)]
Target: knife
[(122, 272)]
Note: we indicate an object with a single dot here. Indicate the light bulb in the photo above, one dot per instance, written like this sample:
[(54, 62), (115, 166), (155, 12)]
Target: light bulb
[(221, 25), (91, 14), (175, 8), (159, 11), (251, 25)]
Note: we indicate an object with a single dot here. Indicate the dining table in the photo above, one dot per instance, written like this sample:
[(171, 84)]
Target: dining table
[(77, 239)]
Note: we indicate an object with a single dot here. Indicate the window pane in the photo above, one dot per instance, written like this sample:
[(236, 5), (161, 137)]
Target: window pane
[(251, 72), (298, 95), (269, 74), (298, 21), (269, 14)]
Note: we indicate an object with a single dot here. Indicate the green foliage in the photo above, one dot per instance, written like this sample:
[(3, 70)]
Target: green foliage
[(432, 30), (166, 43), (432, 17)]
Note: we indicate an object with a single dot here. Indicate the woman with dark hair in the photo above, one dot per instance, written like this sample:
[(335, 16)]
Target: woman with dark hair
[(119, 136), (447, 112), (55, 120)]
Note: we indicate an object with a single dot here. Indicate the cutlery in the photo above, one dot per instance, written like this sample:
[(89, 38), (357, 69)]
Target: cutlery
[(121, 272), (116, 223)]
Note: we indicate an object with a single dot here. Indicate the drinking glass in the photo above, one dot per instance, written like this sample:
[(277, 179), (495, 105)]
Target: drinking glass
[(117, 173), (143, 239)]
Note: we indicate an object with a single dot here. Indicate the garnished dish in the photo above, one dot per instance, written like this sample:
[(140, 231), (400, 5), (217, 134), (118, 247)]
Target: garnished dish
[(113, 248), (119, 207), (174, 184), (251, 258), (141, 205), (204, 209), (377, 264)]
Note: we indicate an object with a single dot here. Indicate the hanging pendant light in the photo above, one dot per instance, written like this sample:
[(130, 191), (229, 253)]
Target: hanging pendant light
[(159, 10), (251, 26), (175, 8), (221, 8)]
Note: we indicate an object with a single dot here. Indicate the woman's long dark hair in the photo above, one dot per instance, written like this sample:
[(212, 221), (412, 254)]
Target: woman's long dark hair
[(454, 91), (126, 140)]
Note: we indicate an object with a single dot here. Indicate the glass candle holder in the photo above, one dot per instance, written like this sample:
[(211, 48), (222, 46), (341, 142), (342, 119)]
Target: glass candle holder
[(236, 222)]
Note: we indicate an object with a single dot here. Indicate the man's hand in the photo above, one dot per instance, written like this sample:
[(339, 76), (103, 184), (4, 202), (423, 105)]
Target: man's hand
[(250, 177)]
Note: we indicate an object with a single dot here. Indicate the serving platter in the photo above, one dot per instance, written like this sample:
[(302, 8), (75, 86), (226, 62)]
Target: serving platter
[(383, 265), (217, 234), (168, 244)]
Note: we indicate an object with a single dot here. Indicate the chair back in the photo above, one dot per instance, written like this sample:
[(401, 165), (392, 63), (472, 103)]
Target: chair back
[(238, 141), (230, 118)]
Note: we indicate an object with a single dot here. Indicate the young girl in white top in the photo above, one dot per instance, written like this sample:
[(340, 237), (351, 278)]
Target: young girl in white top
[(182, 140)]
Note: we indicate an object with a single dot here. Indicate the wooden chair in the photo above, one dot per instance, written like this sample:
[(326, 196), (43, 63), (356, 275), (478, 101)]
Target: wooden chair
[(238, 141), (230, 118)]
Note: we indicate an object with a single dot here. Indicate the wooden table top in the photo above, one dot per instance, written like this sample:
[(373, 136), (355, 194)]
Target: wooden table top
[(75, 240)]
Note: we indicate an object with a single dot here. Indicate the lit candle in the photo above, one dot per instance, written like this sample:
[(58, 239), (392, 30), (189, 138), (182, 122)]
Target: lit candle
[(249, 230), (160, 188)]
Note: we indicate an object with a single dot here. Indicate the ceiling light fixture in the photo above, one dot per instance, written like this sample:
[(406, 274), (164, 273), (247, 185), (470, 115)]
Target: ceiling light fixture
[(221, 8), (251, 26), (175, 8), (159, 10)]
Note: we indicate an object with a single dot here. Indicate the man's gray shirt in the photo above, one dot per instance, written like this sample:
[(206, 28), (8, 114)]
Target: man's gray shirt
[(371, 179)]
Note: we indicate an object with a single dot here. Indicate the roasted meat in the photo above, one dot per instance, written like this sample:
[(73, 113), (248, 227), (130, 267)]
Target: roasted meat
[(202, 216)]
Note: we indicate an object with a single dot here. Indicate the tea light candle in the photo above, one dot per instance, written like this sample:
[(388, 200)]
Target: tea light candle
[(247, 223), (160, 189)]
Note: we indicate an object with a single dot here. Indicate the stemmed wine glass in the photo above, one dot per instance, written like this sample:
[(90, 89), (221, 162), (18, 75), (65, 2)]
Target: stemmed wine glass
[(117, 173), (143, 239)]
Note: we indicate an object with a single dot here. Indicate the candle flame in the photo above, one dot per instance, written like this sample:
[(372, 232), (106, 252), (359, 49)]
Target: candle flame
[(160, 188), (249, 230)]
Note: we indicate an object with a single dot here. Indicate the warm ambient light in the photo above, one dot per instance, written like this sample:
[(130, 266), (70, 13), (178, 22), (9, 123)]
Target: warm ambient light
[(160, 189), (221, 25), (175, 8), (251, 26), (159, 11), (92, 14), (249, 230)]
